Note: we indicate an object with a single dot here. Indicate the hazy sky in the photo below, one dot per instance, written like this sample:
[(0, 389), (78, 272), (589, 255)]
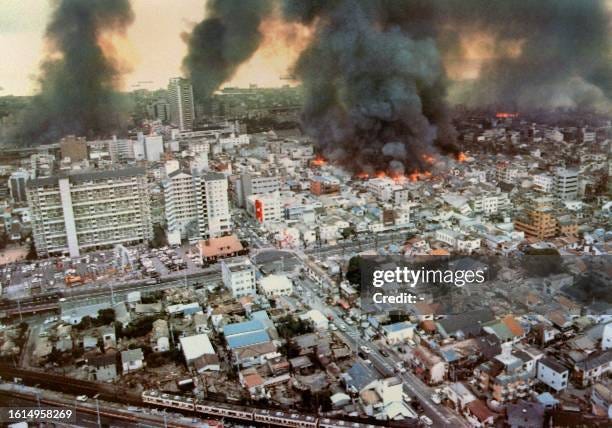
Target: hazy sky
[(152, 51)]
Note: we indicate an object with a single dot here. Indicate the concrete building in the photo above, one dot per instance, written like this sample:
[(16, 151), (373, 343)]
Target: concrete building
[(239, 276), (74, 148), (86, 210), (17, 186), (212, 203), (276, 285), (153, 148), (265, 208), (537, 222), (566, 184), (180, 100), (255, 184), (180, 201)]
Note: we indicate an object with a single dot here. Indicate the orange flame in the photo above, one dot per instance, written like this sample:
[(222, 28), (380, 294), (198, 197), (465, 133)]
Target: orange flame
[(318, 161), (362, 175), (461, 157)]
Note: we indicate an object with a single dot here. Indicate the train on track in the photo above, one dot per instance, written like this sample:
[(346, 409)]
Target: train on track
[(261, 416)]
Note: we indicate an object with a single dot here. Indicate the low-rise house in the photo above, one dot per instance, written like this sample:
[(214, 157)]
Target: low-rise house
[(458, 394), (429, 365), (160, 341), (109, 338), (103, 367), (601, 399), (132, 360), (553, 373), (593, 368), (505, 378), (196, 346), (398, 332), (479, 415)]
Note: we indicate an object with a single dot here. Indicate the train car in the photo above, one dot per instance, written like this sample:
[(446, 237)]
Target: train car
[(167, 400), (335, 423), (224, 410), (275, 417)]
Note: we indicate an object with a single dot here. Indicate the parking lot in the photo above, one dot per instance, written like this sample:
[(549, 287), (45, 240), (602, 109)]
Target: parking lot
[(96, 269)]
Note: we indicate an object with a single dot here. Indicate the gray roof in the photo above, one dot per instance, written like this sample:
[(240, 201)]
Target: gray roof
[(81, 176), (595, 359), (131, 355), (359, 376), (469, 323)]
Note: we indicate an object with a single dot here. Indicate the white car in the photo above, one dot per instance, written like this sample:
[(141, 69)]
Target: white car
[(81, 398), (400, 367), (342, 327), (436, 398), (332, 327), (425, 420), (365, 349)]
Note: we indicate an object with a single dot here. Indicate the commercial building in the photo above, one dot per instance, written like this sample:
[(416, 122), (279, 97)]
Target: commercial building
[(538, 222), (86, 210), (276, 285), (265, 208), (255, 184), (180, 100), (239, 276)]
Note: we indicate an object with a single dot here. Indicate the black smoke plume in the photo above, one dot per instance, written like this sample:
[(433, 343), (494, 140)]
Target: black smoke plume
[(227, 37), (78, 81), (374, 92), (375, 72)]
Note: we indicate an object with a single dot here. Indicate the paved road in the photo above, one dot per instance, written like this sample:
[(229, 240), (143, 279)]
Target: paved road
[(413, 386)]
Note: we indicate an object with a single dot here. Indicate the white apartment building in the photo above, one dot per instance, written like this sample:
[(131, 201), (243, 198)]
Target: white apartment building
[(180, 201), (543, 183), (489, 202), (265, 208), (566, 184), (212, 202), (238, 276), (86, 210), (458, 240), (180, 99), (382, 188), (231, 141)]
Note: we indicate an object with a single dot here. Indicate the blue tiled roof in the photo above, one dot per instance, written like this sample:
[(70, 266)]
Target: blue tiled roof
[(242, 327), (247, 339), (398, 326), (260, 315)]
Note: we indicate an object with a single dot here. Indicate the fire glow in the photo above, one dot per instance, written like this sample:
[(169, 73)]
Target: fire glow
[(318, 161), (506, 115), (461, 157)]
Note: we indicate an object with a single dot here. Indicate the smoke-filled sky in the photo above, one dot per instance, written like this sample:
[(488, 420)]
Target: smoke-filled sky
[(378, 74), (152, 50)]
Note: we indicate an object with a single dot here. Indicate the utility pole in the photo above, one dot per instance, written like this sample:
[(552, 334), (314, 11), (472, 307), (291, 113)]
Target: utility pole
[(98, 409)]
